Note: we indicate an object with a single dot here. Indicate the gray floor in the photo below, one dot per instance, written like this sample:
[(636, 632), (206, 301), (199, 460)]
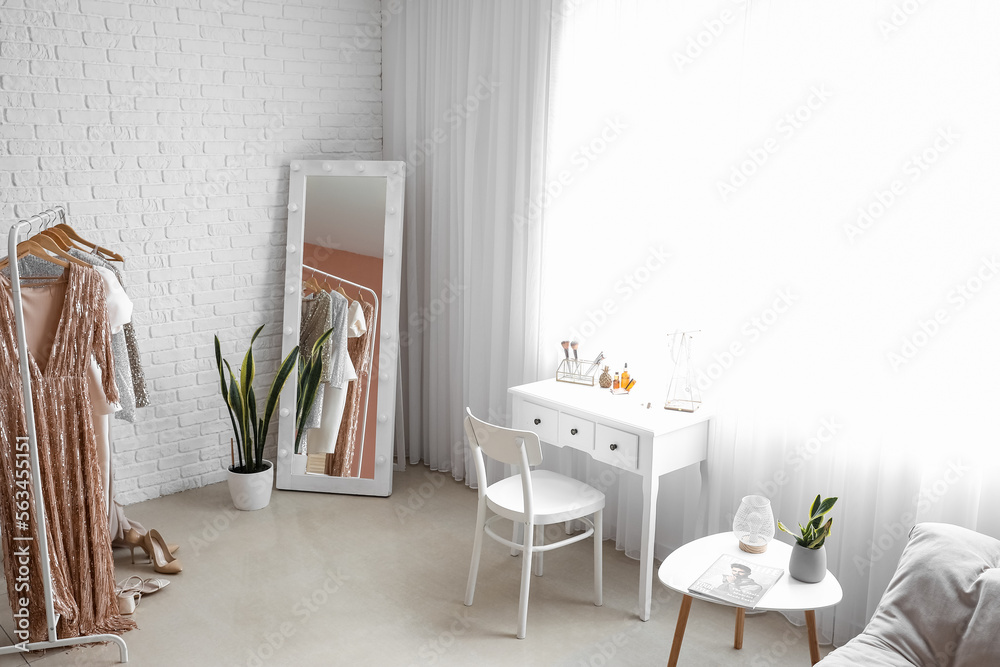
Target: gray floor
[(337, 580)]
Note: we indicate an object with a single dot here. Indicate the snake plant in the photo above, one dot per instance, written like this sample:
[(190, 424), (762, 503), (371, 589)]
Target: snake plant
[(815, 532), (249, 428), (310, 374)]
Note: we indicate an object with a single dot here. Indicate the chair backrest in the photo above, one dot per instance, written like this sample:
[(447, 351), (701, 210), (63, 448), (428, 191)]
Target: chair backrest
[(519, 448), (502, 444)]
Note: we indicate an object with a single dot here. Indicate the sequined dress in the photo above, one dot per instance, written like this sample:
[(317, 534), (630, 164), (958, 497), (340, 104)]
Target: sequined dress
[(83, 586)]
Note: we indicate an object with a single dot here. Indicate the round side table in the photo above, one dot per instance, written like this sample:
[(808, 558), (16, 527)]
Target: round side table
[(683, 567)]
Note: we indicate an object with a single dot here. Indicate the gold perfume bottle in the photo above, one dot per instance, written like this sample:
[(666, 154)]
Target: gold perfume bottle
[(625, 376), (617, 383)]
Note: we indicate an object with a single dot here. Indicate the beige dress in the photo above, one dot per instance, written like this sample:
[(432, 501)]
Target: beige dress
[(83, 586)]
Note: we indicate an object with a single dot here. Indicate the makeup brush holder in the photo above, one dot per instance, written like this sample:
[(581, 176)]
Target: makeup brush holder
[(577, 371)]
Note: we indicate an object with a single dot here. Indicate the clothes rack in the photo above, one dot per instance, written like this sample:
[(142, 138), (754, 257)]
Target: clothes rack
[(36, 478), (364, 422)]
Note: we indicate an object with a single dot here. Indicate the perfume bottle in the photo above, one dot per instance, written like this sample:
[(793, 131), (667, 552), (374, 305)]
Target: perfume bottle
[(617, 383), (625, 376)]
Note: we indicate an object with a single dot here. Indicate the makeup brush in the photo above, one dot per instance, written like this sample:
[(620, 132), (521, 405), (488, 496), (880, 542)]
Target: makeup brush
[(575, 345), (565, 346)]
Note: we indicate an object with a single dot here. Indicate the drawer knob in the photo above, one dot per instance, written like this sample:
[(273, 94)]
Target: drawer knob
[(537, 421), (613, 446), (573, 431)]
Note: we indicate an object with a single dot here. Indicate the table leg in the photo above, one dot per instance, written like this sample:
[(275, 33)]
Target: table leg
[(682, 620), (813, 637), (650, 488), (740, 617)]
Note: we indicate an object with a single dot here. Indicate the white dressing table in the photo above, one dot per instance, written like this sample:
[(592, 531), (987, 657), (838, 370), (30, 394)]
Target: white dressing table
[(622, 432)]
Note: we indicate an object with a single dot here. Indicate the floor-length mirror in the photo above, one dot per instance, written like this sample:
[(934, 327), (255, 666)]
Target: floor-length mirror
[(342, 282)]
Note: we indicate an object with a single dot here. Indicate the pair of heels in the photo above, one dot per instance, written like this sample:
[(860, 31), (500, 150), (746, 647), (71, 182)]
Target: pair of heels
[(130, 592), (160, 554)]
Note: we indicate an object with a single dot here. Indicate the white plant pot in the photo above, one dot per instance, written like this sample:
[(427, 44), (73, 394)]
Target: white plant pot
[(251, 491)]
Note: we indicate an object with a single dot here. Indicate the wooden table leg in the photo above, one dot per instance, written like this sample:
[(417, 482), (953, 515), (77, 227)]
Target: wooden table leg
[(740, 616), (813, 638), (682, 619)]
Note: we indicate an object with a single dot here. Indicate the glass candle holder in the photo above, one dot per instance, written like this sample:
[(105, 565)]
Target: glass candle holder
[(754, 524)]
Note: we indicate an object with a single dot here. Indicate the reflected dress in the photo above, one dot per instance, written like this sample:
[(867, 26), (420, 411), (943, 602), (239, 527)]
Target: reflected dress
[(83, 586)]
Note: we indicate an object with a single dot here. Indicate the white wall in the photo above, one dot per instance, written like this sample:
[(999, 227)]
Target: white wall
[(166, 128)]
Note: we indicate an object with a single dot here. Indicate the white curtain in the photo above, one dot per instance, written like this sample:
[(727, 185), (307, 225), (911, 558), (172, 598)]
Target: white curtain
[(465, 105), (812, 186)]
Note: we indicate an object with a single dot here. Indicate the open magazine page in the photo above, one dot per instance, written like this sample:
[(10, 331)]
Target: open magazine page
[(736, 581)]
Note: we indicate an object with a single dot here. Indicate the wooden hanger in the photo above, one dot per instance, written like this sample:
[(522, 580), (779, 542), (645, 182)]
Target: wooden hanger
[(41, 249), (90, 246)]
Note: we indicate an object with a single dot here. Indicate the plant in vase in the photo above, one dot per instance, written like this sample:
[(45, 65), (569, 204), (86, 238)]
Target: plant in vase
[(808, 561), (250, 481)]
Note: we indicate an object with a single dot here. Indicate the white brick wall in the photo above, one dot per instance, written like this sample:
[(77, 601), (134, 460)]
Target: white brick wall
[(166, 127)]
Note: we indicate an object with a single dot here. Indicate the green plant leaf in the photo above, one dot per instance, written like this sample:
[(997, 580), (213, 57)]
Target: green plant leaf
[(274, 393), (254, 429), (782, 528), (308, 388), (224, 388), (815, 506), (824, 507), (821, 536)]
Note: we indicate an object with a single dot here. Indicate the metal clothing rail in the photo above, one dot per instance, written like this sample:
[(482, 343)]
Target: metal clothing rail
[(368, 388), (36, 478)]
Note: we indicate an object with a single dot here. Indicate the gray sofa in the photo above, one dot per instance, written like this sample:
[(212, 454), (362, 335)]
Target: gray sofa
[(942, 607)]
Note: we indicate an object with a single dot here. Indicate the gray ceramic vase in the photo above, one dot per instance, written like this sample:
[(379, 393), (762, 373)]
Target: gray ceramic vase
[(808, 565)]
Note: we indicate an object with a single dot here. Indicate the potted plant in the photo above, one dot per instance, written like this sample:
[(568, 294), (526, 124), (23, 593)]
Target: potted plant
[(251, 479), (808, 561)]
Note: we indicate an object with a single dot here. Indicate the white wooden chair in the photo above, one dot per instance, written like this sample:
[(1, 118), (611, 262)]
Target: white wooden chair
[(532, 500)]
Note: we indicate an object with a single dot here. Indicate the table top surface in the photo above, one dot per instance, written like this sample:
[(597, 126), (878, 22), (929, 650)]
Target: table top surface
[(628, 409), (683, 567)]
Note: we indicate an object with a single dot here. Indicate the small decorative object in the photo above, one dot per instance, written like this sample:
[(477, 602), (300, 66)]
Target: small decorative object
[(605, 379), (616, 383), (250, 481), (754, 524), (808, 561), (682, 392)]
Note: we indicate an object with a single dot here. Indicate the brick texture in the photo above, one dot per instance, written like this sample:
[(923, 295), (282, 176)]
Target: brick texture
[(166, 129)]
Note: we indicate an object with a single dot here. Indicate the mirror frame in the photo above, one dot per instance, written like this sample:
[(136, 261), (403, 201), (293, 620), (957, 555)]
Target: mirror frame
[(288, 477)]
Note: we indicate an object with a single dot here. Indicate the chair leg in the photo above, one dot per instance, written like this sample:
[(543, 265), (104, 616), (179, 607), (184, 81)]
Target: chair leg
[(539, 541), (599, 557), (477, 549), (522, 608), (516, 537)]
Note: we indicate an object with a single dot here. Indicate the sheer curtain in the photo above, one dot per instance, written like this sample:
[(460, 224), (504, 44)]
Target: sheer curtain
[(465, 105), (811, 187)]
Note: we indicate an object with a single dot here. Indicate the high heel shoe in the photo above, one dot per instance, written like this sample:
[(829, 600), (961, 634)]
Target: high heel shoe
[(136, 540), (156, 547)]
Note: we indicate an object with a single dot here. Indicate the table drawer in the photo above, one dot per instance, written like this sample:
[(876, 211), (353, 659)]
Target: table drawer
[(575, 432), (619, 448), (537, 419)]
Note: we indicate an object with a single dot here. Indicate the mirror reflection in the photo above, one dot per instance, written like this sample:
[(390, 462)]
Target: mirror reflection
[(342, 268)]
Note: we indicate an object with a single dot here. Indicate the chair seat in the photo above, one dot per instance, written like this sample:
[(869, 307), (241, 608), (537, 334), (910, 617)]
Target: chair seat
[(557, 498)]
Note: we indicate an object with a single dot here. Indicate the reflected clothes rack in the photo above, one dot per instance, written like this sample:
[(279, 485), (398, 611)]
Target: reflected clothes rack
[(36, 477), (361, 437)]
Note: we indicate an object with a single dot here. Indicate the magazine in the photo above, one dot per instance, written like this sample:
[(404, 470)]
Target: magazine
[(736, 581)]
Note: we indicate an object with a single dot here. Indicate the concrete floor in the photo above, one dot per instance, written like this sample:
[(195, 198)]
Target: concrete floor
[(319, 579)]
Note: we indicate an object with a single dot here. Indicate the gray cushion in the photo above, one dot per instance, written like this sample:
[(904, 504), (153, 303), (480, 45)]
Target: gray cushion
[(942, 606)]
